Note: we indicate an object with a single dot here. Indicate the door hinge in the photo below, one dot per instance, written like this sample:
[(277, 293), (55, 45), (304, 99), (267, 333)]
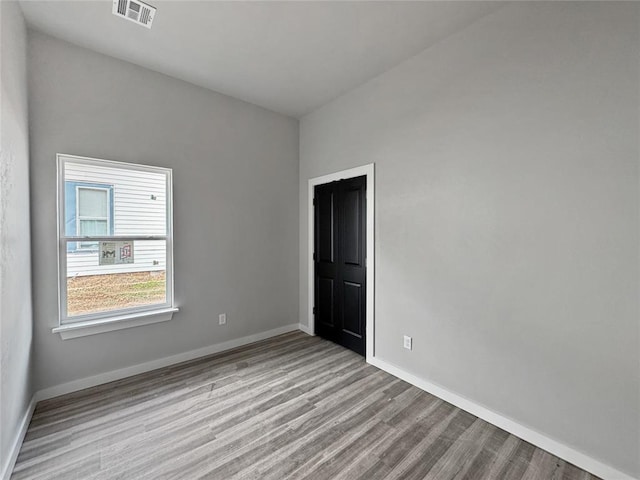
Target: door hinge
[(314, 310), (314, 256), (314, 201)]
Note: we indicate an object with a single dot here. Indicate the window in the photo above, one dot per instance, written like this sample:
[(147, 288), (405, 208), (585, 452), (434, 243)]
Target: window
[(115, 245), (89, 211), (93, 214)]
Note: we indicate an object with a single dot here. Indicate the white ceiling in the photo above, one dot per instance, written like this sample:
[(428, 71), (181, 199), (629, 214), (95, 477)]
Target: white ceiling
[(290, 57)]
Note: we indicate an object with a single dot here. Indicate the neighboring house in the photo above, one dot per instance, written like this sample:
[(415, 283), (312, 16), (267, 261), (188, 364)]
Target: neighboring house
[(109, 201)]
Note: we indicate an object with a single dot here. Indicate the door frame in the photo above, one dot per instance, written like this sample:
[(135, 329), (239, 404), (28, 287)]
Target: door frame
[(364, 170)]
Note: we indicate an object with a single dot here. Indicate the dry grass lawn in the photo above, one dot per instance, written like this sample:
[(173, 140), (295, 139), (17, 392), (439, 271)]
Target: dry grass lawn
[(97, 293)]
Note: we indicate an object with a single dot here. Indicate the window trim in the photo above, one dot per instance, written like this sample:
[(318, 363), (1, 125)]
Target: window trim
[(92, 327), (89, 324)]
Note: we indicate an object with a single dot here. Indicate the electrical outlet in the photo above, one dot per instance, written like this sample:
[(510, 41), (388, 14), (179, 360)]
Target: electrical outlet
[(222, 319), (408, 342)]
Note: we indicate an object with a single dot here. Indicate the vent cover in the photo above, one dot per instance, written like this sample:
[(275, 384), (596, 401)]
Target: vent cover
[(134, 11)]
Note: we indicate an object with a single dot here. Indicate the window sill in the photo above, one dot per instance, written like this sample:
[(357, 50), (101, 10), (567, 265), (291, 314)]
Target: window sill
[(92, 327)]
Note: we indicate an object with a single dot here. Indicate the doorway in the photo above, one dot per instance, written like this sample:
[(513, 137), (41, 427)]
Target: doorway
[(340, 262)]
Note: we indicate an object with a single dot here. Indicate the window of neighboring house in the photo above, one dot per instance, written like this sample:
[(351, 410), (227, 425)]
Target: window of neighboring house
[(115, 255), (89, 211)]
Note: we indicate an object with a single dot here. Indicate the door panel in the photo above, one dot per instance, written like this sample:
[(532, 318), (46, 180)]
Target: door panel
[(326, 238), (326, 307), (351, 208), (352, 321), (340, 262)]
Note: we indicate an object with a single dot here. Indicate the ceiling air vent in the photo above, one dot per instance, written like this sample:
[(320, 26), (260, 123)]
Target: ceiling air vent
[(137, 12)]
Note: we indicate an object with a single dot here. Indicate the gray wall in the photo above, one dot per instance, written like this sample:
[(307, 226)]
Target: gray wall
[(235, 202), (507, 216), (15, 263)]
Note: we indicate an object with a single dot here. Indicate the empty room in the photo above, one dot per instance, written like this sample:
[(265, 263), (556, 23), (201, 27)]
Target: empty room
[(319, 240)]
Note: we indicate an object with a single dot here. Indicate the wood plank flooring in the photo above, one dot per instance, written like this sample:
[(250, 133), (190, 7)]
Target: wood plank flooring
[(291, 407)]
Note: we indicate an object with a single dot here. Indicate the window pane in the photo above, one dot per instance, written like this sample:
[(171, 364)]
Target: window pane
[(96, 282), (137, 204), (93, 227), (93, 203)]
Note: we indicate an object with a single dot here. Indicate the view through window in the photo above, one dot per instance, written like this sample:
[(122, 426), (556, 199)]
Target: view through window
[(115, 238)]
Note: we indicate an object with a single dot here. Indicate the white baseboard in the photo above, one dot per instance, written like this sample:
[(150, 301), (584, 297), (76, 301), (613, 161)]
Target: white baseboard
[(305, 329), (556, 448), (539, 440), (106, 377), (17, 443)]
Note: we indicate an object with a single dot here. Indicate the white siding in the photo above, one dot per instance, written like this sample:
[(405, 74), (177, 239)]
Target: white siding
[(135, 212)]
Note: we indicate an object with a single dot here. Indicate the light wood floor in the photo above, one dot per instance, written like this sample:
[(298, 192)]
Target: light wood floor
[(292, 407)]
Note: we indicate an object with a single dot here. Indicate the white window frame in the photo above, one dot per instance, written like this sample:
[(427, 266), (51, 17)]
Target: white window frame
[(90, 324), (79, 218)]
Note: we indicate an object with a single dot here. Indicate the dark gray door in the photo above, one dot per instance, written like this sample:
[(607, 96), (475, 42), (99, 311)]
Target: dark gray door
[(340, 262)]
